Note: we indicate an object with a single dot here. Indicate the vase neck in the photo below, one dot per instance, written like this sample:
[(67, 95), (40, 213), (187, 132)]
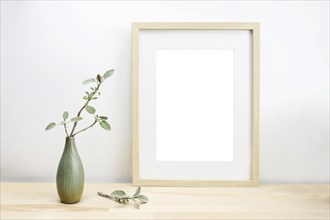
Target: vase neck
[(70, 143), (70, 138)]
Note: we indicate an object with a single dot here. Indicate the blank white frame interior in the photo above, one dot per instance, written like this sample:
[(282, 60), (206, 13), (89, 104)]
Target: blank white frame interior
[(207, 77)]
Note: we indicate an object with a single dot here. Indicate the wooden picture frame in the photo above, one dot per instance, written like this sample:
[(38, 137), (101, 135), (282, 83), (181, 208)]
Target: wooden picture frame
[(149, 171)]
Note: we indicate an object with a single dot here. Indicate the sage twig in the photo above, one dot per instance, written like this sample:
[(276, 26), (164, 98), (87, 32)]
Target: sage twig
[(120, 197), (89, 98), (90, 95)]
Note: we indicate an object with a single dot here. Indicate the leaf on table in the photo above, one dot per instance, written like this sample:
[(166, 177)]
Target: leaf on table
[(137, 205), (119, 194), (143, 198), (137, 192)]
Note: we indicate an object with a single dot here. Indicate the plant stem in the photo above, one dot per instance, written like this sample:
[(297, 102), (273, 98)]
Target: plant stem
[(66, 130), (82, 108), (124, 200), (106, 196), (85, 128), (119, 200)]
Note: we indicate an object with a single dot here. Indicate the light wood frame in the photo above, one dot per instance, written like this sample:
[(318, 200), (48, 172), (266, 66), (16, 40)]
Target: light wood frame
[(254, 28)]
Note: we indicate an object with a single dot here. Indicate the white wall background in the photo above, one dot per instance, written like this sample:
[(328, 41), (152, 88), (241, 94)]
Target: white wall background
[(49, 48)]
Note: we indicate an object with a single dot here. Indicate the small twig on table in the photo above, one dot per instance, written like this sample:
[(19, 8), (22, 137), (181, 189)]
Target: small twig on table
[(121, 197)]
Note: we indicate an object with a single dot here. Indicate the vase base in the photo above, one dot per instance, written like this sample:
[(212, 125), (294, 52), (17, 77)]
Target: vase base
[(69, 202)]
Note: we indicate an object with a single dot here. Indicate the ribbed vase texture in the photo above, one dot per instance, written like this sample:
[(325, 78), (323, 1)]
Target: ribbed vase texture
[(70, 174)]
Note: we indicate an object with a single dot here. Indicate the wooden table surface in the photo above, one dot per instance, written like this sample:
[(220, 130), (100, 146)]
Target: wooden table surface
[(284, 201)]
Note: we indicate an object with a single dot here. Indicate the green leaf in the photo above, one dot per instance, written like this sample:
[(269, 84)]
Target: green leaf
[(108, 73), (119, 194), (50, 126), (137, 205), (103, 117), (94, 98), (90, 109), (143, 198), (99, 78), (89, 81), (76, 119), (105, 125), (137, 192), (85, 97), (65, 115)]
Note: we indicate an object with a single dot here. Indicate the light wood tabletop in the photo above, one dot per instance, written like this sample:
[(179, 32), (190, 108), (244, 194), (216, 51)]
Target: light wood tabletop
[(271, 201)]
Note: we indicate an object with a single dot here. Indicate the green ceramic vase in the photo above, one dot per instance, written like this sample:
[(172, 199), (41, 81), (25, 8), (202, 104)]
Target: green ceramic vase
[(70, 174)]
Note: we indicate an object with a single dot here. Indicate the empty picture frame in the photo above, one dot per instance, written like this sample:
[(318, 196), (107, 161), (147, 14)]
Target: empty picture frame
[(195, 104)]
